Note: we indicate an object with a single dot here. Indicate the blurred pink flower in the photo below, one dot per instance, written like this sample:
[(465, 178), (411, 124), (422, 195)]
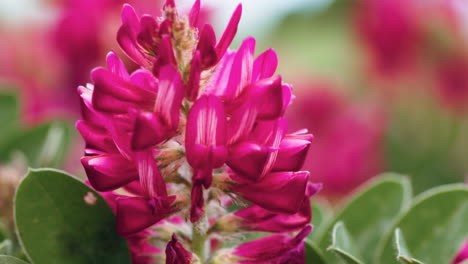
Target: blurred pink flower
[(347, 145)]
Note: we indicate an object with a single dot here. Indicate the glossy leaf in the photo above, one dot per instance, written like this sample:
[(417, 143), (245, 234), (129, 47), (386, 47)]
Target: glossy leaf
[(434, 227), (320, 217), (370, 214), (343, 245), (313, 254), (57, 225), (10, 260), (403, 254), (6, 247)]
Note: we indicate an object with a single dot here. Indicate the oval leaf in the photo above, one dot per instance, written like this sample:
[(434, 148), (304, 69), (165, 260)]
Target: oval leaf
[(385, 197), (10, 260), (434, 227), (56, 225), (403, 254), (313, 254), (343, 245)]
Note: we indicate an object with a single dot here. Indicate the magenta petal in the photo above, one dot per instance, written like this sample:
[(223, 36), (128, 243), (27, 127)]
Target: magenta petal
[(95, 137), (109, 172), (241, 71), (292, 152), (274, 249), (169, 3), (176, 253), (281, 192), (241, 123), (206, 133), (166, 55), (116, 66), (145, 79), (127, 36), (265, 65), (193, 84), (248, 159), (135, 213), (220, 79), (114, 94), (147, 35), (206, 46), (229, 32), (255, 218), (268, 94), (197, 203), (169, 97), (462, 254), (194, 14), (151, 179), (148, 130)]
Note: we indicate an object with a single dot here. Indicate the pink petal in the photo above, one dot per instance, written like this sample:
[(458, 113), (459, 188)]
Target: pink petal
[(169, 97), (176, 253), (229, 32), (274, 249), (206, 46), (193, 84), (281, 192), (194, 14), (109, 172), (116, 66), (248, 159), (241, 71), (265, 65), (292, 152), (166, 55), (267, 96), (206, 133), (127, 36), (135, 213), (197, 203)]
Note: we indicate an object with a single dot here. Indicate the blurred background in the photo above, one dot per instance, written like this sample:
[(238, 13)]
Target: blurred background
[(382, 84)]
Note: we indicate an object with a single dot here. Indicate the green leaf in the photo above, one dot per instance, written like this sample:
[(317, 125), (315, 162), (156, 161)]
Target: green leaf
[(320, 216), (343, 245), (56, 225), (434, 227), (6, 247), (313, 254), (44, 145), (10, 260), (370, 214), (403, 254)]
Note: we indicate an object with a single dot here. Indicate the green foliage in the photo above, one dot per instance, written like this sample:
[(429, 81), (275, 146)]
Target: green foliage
[(369, 214), (403, 254), (56, 225), (10, 260), (343, 245), (434, 227), (313, 253), (383, 225), (44, 145)]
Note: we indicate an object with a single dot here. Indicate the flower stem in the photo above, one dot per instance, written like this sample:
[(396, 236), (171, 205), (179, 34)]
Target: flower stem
[(198, 241)]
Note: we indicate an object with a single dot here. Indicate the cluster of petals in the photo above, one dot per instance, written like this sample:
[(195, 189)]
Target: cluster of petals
[(196, 123)]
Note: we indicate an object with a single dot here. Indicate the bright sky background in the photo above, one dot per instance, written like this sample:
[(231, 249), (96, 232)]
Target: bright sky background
[(258, 15)]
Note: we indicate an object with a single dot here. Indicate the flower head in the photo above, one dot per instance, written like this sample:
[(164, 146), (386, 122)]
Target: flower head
[(195, 125)]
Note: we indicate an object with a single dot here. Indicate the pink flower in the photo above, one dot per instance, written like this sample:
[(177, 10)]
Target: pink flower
[(176, 253), (275, 249), (196, 121), (347, 143), (390, 29)]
